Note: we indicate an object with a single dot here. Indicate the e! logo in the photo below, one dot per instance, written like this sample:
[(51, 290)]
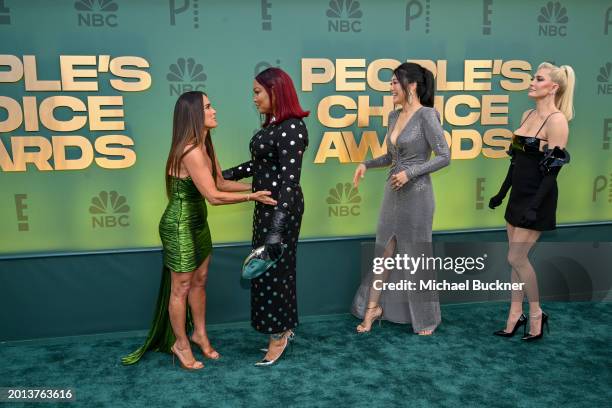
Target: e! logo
[(480, 182), (20, 206)]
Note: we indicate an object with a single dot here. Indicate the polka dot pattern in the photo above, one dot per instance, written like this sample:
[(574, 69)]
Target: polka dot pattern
[(276, 165)]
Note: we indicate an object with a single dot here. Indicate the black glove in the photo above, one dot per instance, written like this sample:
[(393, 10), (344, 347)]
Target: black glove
[(239, 172), (497, 199), (273, 243), (550, 166)]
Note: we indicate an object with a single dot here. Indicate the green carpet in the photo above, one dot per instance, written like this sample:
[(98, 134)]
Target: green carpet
[(461, 365)]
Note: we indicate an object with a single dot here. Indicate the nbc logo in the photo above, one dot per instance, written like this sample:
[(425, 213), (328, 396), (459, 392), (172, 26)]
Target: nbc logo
[(604, 87), (186, 75), (96, 13), (553, 19), (109, 209), (343, 200), (344, 16)]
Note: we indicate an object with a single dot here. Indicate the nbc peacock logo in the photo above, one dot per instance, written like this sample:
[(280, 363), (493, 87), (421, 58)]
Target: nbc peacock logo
[(186, 75), (97, 13), (109, 209), (604, 87), (343, 201), (344, 16), (553, 20)]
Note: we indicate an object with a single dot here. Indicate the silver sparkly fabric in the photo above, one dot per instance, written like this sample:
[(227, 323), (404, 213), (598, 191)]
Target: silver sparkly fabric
[(406, 218)]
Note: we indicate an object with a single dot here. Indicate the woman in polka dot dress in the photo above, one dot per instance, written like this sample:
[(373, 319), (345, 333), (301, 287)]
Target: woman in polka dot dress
[(276, 163)]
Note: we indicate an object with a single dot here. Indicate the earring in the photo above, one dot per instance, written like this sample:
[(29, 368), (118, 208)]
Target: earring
[(409, 98)]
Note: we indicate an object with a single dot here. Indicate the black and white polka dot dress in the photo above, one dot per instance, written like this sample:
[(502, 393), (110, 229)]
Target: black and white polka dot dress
[(276, 164)]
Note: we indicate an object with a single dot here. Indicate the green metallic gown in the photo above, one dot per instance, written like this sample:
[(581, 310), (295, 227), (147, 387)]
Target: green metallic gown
[(186, 244)]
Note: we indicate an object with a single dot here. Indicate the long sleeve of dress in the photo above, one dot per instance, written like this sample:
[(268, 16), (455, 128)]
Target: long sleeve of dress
[(291, 146), (434, 134), (381, 161), (239, 172)]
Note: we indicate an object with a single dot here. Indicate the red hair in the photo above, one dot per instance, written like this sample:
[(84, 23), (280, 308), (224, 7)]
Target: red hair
[(279, 86)]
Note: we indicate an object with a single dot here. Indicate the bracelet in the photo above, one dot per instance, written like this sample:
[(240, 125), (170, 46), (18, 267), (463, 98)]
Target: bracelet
[(248, 196)]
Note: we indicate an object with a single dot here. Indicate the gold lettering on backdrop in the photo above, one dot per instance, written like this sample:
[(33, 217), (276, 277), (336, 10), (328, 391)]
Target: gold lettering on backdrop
[(48, 120), (14, 118), (373, 73), (365, 111), (502, 144), (118, 68), (70, 73), (32, 83), (310, 77), (104, 146), (494, 105), (21, 157), (332, 145), (516, 69), (343, 75), (463, 110), (59, 152), (15, 71), (324, 115), (97, 113), (31, 119), (63, 113)]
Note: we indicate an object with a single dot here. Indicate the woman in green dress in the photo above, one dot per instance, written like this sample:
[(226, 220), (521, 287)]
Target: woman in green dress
[(192, 172)]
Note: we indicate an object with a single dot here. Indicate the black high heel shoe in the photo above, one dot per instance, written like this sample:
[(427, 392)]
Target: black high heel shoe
[(531, 337), (522, 321)]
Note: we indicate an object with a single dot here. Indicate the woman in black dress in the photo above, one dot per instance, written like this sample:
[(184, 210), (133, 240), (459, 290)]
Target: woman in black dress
[(276, 163), (537, 154)]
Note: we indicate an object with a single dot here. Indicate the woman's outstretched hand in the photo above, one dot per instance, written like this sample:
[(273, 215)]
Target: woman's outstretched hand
[(359, 174), (263, 197)]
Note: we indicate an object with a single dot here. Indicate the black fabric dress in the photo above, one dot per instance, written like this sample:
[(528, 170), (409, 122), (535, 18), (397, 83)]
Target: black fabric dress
[(276, 164), (526, 180)]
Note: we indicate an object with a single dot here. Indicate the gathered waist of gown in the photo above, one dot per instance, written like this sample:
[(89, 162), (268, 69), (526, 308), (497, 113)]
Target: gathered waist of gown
[(397, 166)]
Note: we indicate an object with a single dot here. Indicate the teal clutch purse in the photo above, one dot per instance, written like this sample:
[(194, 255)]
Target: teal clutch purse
[(257, 263)]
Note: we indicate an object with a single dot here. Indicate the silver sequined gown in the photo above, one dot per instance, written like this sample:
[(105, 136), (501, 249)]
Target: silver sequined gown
[(407, 215)]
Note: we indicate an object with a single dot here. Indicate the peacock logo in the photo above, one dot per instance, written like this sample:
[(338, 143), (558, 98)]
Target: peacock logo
[(553, 19), (105, 6), (344, 16), (553, 13), (343, 200), (604, 72), (97, 13), (186, 75), (344, 9), (604, 87), (109, 209)]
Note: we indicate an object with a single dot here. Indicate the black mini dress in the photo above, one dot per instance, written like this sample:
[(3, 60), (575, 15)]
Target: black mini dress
[(526, 180)]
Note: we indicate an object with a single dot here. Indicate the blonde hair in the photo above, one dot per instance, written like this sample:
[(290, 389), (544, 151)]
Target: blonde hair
[(566, 79)]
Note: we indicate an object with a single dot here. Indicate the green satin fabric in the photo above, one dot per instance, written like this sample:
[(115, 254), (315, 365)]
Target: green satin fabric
[(183, 228), (186, 241)]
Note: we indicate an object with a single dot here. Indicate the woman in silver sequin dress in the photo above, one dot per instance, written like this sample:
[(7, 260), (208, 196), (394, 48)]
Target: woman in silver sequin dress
[(406, 215)]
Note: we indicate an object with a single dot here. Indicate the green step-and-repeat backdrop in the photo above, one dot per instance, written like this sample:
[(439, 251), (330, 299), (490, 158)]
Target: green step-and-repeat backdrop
[(87, 90)]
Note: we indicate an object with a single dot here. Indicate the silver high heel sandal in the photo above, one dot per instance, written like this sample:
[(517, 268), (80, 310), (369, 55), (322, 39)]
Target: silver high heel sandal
[(289, 336)]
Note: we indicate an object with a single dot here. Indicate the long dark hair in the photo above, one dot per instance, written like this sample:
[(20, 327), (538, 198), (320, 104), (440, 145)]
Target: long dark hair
[(188, 128), (408, 73), (280, 89)]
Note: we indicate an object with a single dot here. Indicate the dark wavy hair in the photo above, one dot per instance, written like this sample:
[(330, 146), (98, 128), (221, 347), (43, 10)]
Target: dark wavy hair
[(408, 73), (188, 128), (279, 86)]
